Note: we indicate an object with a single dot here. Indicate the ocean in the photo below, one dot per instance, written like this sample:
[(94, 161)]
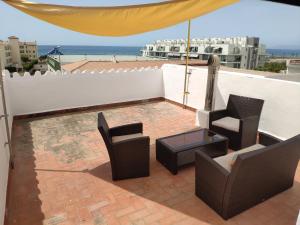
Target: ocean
[(92, 50), (284, 52), (132, 52)]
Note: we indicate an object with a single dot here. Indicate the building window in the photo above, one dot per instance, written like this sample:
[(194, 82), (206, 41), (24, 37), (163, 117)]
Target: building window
[(161, 48), (193, 49), (217, 50), (174, 49)]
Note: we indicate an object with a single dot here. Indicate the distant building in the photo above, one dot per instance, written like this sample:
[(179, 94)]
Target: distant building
[(293, 66), (12, 50), (236, 52)]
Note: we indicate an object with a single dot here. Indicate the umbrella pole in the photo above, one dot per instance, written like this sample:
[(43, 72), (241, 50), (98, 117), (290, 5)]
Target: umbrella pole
[(185, 89)]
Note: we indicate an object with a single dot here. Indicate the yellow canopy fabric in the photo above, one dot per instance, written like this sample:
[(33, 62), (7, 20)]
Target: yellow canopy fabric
[(119, 20)]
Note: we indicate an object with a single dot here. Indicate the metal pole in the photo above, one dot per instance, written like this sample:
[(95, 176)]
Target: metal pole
[(185, 91), (11, 158)]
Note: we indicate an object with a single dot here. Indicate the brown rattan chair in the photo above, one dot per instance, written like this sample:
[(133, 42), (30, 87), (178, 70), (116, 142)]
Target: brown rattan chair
[(238, 122), (128, 149), (254, 177)]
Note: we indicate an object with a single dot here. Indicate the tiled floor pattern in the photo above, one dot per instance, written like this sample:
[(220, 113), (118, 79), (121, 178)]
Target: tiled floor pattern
[(62, 176)]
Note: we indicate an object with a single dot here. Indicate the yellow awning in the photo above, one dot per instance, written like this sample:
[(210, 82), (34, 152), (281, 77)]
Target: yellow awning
[(120, 20)]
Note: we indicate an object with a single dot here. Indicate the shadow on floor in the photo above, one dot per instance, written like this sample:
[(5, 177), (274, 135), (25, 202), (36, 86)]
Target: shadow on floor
[(177, 192), (23, 183)]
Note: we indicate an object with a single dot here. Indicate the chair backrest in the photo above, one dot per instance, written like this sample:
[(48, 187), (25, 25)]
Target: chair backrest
[(242, 107), (261, 174), (104, 130)]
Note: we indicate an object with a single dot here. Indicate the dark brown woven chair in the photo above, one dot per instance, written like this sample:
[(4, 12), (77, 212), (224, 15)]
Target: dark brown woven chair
[(238, 122), (254, 177), (128, 149)]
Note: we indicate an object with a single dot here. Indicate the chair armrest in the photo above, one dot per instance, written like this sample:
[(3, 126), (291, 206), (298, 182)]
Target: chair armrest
[(209, 170), (131, 158), (131, 145), (218, 114), (249, 124), (211, 181), (248, 130), (266, 139), (126, 129)]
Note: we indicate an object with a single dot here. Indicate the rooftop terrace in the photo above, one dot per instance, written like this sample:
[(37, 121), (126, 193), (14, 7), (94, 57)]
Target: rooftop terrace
[(63, 176), (62, 170)]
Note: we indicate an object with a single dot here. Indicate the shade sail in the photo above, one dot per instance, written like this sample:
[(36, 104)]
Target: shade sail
[(290, 2), (119, 20)]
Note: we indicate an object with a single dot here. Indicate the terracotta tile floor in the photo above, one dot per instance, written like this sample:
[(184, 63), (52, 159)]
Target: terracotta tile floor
[(62, 176)]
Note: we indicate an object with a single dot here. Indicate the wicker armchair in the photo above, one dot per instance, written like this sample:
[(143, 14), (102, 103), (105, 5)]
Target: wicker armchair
[(238, 122), (258, 173), (128, 149)]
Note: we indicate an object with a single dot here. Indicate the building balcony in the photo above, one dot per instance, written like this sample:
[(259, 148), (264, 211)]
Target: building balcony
[(62, 171)]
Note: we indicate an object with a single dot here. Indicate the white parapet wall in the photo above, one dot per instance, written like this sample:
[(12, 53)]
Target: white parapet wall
[(281, 110), (4, 152), (174, 84), (55, 91), (280, 114)]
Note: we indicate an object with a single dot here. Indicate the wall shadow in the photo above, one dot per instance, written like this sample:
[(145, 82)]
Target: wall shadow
[(23, 203)]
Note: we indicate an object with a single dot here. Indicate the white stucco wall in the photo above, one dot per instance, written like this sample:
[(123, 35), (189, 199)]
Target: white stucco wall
[(34, 94), (280, 115), (281, 111), (4, 156), (4, 169), (174, 84), (294, 77), (42, 93)]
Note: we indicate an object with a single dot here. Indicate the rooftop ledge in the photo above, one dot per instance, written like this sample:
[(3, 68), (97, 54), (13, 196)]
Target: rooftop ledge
[(62, 162), (56, 91)]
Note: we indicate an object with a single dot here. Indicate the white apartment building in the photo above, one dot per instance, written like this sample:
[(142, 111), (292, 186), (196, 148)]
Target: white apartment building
[(236, 52), (12, 50)]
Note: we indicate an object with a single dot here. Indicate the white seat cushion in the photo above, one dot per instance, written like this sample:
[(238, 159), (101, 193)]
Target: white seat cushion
[(226, 160), (228, 123), (126, 137)]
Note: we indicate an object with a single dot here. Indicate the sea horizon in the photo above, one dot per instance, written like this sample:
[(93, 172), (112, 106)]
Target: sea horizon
[(135, 50)]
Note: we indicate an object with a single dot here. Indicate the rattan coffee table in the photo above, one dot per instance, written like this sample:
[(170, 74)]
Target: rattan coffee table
[(179, 150)]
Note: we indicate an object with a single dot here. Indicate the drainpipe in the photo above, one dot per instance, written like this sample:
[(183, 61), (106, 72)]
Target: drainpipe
[(213, 68), (5, 116)]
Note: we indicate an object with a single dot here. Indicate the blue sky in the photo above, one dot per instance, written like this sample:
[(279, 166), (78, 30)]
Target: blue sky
[(276, 24)]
